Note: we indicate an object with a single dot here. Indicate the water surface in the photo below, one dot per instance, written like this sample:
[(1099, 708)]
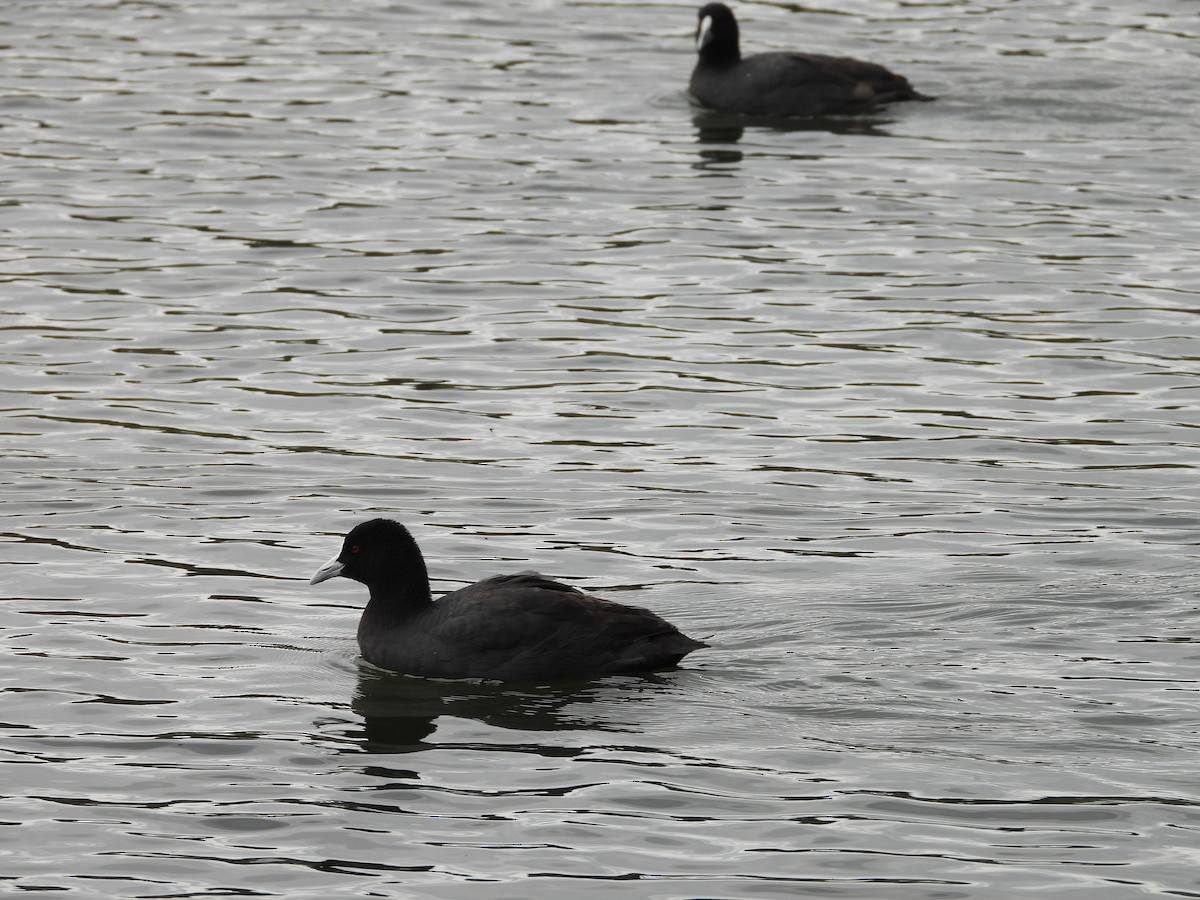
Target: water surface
[(896, 411)]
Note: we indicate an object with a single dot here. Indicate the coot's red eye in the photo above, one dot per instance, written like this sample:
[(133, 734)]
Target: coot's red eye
[(354, 549)]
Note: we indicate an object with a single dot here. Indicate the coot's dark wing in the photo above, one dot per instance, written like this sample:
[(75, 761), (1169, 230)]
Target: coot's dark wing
[(871, 81), (807, 67), (799, 84), (530, 627), (815, 84), (516, 581)]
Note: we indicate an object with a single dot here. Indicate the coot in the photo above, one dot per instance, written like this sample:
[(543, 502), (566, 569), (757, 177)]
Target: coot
[(778, 85), (522, 627)]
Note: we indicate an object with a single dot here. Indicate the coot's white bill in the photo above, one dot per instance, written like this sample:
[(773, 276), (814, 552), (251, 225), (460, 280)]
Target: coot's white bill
[(331, 569)]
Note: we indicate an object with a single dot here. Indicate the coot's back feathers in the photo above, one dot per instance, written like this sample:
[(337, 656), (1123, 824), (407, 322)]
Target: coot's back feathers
[(780, 85), (522, 627)]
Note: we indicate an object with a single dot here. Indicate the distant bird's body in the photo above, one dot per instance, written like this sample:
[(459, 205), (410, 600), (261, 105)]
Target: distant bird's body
[(782, 85), (522, 627)]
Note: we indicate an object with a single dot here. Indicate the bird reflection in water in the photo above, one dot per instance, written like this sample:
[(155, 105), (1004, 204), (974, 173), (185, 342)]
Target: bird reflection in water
[(400, 712)]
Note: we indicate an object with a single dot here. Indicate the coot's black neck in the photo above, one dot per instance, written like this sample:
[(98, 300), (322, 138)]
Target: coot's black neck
[(718, 41), (398, 601), (400, 587), (721, 55)]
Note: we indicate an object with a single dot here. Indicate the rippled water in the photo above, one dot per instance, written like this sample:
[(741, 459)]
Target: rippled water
[(898, 412)]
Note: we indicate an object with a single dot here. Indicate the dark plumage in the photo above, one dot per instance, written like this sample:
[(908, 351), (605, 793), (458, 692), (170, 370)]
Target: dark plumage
[(777, 85), (522, 627)]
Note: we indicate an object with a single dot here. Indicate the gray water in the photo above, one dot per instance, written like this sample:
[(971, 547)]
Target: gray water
[(898, 412)]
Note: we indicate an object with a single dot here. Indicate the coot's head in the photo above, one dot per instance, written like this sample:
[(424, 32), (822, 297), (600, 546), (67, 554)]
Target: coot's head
[(717, 34), (374, 552)]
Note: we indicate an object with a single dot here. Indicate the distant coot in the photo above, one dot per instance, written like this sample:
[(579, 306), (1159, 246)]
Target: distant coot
[(778, 85), (522, 627)]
